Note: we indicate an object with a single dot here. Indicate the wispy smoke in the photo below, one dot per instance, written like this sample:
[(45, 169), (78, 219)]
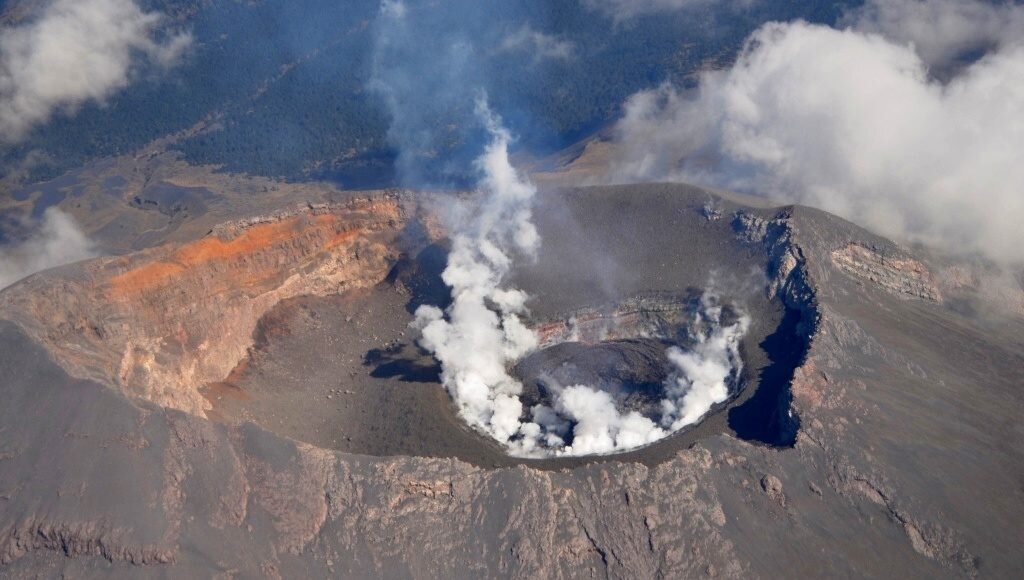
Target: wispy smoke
[(538, 44), (626, 9), (852, 122), (427, 72), (77, 51), (58, 241)]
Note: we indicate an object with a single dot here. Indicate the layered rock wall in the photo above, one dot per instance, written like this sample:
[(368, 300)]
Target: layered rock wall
[(163, 322)]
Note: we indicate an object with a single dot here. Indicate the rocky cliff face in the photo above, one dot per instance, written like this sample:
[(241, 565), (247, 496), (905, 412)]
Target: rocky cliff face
[(901, 275), (163, 322), (641, 316)]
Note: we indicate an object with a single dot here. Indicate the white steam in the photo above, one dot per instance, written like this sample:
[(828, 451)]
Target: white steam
[(600, 427), (77, 51), (58, 241), (700, 380), (481, 330), (702, 375), (852, 122)]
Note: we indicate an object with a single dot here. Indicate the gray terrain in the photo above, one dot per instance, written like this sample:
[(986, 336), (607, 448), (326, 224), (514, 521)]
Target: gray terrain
[(874, 432)]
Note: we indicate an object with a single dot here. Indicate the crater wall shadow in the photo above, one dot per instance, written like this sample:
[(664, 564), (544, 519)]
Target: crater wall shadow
[(403, 362), (766, 417), (420, 275)]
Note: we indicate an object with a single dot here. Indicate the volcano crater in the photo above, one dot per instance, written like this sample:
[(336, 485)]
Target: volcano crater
[(346, 371)]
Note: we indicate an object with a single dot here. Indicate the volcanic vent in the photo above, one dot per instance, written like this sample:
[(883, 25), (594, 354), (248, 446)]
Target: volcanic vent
[(623, 376)]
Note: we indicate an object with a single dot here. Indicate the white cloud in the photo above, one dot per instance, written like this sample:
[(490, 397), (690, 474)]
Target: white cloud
[(850, 122), (626, 9), (58, 241), (77, 51), (540, 45), (942, 31)]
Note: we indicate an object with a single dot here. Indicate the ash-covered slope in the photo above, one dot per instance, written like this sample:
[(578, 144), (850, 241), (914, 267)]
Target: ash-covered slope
[(906, 458)]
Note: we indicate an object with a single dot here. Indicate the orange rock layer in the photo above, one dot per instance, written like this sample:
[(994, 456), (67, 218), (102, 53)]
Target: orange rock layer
[(257, 239), (163, 322)]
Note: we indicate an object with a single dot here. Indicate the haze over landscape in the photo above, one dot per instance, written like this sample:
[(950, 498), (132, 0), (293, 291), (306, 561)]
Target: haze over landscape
[(616, 288)]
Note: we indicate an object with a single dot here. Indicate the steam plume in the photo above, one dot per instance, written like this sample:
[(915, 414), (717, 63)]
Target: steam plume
[(482, 331), (702, 373), (58, 241)]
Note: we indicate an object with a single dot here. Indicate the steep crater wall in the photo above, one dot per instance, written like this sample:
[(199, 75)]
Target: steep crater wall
[(163, 322)]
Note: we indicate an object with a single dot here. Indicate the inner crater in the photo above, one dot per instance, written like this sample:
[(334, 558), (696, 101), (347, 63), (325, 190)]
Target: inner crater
[(632, 371), (614, 378), (620, 350)]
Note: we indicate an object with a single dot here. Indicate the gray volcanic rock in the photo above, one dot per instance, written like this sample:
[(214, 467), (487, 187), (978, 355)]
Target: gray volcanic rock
[(906, 456), (633, 371)]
